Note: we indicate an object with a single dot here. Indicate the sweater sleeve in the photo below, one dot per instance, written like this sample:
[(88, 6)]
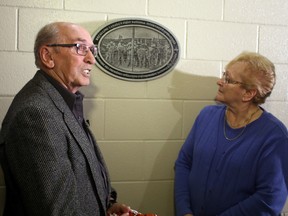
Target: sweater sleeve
[(182, 169), (185, 160)]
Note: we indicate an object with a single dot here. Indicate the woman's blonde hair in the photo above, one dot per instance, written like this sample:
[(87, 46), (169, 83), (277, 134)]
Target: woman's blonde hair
[(259, 73)]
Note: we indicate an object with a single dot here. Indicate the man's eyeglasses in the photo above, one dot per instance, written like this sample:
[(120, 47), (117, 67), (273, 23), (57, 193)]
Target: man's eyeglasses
[(81, 49), (227, 80)]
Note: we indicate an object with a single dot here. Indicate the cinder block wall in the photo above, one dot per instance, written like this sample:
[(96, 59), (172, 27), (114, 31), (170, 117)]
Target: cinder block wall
[(140, 126)]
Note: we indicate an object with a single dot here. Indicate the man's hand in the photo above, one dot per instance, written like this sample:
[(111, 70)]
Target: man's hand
[(118, 209)]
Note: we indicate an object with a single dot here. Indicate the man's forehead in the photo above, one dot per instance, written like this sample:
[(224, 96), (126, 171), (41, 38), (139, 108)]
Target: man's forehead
[(77, 33)]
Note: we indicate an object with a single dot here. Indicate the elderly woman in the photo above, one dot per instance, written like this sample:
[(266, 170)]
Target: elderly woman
[(235, 159)]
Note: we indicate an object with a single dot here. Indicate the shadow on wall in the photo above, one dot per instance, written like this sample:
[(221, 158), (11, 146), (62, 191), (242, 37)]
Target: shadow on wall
[(197, 92)]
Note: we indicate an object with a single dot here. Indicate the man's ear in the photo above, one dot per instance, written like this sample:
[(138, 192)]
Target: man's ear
[(47, 57), (249, 94)]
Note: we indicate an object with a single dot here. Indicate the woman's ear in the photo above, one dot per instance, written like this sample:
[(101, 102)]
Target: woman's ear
[(46, 57), (249, 94)]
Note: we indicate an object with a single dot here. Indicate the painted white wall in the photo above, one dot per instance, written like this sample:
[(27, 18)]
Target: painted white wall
[(140, 126)]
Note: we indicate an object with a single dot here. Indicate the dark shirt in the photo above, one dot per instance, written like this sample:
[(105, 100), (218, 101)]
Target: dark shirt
[(74, 101)]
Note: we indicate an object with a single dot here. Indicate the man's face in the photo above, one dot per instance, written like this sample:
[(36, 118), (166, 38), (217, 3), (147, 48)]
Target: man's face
[(71, 69)]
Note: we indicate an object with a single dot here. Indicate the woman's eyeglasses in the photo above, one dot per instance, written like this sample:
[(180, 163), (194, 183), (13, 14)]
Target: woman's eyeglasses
[(227, 80)]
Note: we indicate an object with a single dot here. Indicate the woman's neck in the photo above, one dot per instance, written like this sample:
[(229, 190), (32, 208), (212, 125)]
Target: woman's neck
[(237, 118)]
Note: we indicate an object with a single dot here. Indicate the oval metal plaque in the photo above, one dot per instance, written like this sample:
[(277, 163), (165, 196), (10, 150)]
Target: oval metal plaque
[(135, 49)]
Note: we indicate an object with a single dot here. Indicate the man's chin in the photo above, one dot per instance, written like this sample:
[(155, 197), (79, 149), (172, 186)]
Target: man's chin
[(85, 82)]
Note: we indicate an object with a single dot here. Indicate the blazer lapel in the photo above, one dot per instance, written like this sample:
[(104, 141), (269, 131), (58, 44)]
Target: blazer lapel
[(92, 154), (80, 136)]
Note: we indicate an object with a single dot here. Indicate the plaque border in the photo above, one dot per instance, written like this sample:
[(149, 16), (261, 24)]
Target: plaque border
[(139, 36)]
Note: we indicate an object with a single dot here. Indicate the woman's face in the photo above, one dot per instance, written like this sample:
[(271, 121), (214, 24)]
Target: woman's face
[(231, 91)]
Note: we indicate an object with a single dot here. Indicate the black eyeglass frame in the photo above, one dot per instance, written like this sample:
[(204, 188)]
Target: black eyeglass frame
[(93, 49)]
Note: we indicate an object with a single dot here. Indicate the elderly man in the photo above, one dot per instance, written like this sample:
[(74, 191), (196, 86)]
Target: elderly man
[(52, 164)]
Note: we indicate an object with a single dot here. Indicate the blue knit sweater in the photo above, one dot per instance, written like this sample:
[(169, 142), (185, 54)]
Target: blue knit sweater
[(246, 176)]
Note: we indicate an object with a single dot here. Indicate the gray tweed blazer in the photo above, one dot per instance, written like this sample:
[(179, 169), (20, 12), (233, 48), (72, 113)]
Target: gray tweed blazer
[(49, 165)]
